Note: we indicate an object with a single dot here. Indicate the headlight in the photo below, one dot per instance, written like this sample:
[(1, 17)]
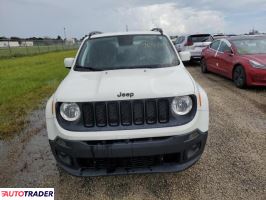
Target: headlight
[(181, 105), (256, 64), (70, 111)]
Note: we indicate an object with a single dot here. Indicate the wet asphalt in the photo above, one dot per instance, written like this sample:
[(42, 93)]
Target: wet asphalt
[(233, 165)]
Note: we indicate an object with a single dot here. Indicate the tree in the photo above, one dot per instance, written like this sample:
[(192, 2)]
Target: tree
[(59, 37), (15, 38)]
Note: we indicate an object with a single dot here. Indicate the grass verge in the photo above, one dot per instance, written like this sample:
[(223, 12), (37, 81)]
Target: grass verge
[(24, 83), (34, 50)]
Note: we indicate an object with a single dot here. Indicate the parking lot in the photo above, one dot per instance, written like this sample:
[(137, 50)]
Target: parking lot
[(232, 166)]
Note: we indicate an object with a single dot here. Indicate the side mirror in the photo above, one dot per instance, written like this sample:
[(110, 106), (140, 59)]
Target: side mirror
[(185, 55), (68, 62)]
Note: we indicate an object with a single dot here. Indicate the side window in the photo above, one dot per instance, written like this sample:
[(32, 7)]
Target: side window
[(84, 51), (215, 45), (180, 40), (224, 47), (210, 39)]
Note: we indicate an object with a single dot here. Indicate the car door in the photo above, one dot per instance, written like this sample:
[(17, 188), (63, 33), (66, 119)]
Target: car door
[(211, 59), (225, 58)]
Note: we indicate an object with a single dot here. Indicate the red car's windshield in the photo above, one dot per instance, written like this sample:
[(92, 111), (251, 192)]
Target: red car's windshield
[(251, 46)]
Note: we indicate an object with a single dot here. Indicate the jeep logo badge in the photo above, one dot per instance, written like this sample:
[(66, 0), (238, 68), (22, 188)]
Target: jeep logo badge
[(125, 94)]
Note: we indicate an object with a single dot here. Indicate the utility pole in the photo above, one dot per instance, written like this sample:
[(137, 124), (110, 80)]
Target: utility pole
[(126, 28), (65, 32)]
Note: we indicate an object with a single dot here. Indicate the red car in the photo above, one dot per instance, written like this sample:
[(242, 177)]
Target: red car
[(240, 58)]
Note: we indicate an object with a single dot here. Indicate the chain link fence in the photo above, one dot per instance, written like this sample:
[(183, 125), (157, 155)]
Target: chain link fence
[(12, 48)]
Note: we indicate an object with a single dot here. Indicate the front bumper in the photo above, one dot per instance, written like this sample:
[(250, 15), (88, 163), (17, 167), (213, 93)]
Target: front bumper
[(113, 157), (257, 77)]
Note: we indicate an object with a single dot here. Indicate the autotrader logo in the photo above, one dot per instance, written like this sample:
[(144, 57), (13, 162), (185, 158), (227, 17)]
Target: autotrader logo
[(27, 193)]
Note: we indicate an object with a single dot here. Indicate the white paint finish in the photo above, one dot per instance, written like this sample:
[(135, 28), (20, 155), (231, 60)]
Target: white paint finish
[(106, 85), (185, 55), (68, 62)]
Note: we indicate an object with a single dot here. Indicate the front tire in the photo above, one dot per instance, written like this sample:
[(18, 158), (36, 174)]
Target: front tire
[(203, 66), (239, 77)]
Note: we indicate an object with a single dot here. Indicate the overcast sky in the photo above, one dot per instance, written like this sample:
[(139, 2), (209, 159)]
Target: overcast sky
[(27, 18)]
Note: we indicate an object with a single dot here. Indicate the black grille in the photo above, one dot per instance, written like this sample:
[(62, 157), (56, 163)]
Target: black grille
[(110, 164), (113, 113), (138, 112), (151, 112), (126, 113), (163, 110), (100, 114)]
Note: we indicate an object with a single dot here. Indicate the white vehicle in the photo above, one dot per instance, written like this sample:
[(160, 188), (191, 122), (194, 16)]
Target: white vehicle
[(193, 43), (128, 105)]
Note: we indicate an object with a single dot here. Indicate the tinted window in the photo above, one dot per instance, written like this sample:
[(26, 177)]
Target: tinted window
[(200, 38), (180, 40), (224, 47), (215, 45), (126, 51)]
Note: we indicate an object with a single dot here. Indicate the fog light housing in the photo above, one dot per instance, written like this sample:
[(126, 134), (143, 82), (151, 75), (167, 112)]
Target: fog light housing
[(193, 135), (63, 157), (192, 151)]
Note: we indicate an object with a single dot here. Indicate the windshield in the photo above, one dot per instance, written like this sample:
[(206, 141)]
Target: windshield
[(180, 40), (251, 46), (126, 51)]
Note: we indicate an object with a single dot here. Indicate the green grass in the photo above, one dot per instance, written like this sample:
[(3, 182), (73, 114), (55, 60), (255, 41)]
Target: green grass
[(24, 83)]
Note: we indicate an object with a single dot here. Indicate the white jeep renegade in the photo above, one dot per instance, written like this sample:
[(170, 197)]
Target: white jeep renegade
[(128, 105)]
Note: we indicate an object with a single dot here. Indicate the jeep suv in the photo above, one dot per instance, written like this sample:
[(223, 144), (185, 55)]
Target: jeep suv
[(128, 105)]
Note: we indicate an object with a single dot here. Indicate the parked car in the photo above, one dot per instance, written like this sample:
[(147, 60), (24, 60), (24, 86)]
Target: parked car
[(173, 38), (193, 43), (128, 105), (240, 58)]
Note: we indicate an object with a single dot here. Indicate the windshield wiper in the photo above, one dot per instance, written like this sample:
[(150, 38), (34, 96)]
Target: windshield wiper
[(146, 66), (86, 68)]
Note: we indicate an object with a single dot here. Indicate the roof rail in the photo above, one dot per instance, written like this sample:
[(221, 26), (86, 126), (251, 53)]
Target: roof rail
[(158, 30), (94, 33)]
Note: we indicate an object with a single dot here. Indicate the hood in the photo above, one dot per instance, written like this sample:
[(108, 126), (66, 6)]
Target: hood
[(261, 58), (125, 84)]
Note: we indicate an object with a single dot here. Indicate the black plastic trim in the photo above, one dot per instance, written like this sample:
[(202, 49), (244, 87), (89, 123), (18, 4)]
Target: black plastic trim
[(132, 148), (173, 119)]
